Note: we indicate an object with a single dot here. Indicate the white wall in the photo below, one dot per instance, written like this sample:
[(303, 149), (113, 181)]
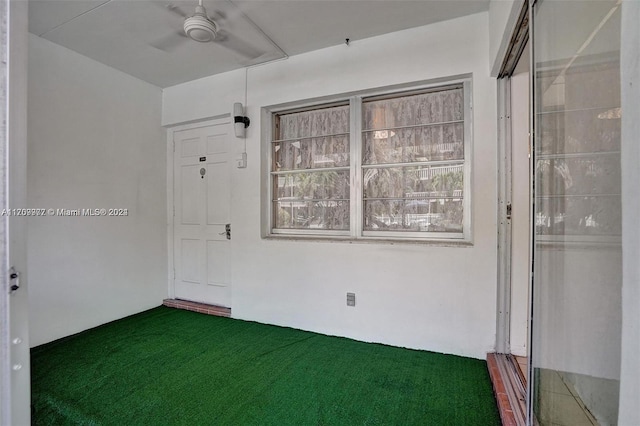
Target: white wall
[(415, 295), (207, 97), (95, 141)]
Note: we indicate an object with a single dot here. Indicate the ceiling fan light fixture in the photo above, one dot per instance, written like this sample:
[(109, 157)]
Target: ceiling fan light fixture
[(200, 28)]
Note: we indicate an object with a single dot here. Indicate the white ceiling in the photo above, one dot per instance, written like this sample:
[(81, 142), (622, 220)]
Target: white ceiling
[(141, 37)]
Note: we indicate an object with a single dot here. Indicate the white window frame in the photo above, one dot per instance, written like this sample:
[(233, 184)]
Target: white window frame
[(356, 231), (311, 232)]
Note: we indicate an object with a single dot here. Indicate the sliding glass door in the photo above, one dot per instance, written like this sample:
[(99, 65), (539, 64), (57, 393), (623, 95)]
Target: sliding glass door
[(576, 295)]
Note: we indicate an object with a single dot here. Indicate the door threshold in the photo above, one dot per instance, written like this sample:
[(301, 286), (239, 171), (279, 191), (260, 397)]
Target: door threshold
[(510, 388), (203, 308)]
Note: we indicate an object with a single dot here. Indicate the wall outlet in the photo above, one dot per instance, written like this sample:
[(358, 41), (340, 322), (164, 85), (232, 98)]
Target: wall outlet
[(351, 299), (241, 160)]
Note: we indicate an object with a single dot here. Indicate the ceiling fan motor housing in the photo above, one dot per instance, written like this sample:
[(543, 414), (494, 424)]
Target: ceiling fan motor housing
[(199, 27)]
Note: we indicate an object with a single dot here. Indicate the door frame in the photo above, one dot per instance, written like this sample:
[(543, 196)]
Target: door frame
[(15, 381), (171, 130), (503, 312), (520, 36)]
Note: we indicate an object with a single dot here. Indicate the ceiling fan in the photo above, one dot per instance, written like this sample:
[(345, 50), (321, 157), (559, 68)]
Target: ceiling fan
[(201, 27)]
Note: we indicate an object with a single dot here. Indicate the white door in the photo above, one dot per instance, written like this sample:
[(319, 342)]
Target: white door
[(14, 328), (201, 207)]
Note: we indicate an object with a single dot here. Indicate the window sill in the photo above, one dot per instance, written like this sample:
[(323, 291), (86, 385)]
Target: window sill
[(369, 240)]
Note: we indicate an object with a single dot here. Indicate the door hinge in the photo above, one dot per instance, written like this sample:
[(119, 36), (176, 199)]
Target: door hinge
[(14, 280), (508, 211)]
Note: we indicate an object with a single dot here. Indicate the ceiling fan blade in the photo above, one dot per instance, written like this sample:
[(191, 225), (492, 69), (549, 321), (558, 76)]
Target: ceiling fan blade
[(236, 44), (229, 15), (171, 42), (173, 9), (218, 16)]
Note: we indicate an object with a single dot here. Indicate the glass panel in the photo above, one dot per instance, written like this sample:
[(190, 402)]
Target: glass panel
[(572, 216), (420, 198), (426, 108), (576, 325), (585, 175), (312, 140), (414, 182), (319, 122), (297, 214), (418, 128), (311, 153), (431, 143), (591, 130), (312, 185), (427, 215)]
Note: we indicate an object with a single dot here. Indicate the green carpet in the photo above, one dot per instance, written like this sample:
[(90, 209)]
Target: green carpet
[(169, 367)]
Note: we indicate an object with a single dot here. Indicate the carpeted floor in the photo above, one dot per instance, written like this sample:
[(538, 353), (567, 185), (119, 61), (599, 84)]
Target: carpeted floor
[(170, 367)]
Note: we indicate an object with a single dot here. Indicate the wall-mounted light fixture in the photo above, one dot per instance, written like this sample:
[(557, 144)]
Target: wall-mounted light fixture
[(241, 121)]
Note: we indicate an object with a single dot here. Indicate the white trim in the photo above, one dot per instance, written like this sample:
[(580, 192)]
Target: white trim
[(15, 369), (503, 308), (266, 190), (171, 131), (170, 214), (416, 86), (5, 319), (467, 225), (531, 379), (628, 411), (357, 208), (206, 122), (309, 232)]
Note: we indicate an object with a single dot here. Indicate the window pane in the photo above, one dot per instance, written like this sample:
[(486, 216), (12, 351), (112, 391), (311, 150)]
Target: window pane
[(420, 128), (320, 122), (596, 174), (312, 185), (426, 108), (578, 151), (591, 130), (427, 215), (414, 182), (431, 143), (311, 153), (578, 216), (311, 141), (297, 214)]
